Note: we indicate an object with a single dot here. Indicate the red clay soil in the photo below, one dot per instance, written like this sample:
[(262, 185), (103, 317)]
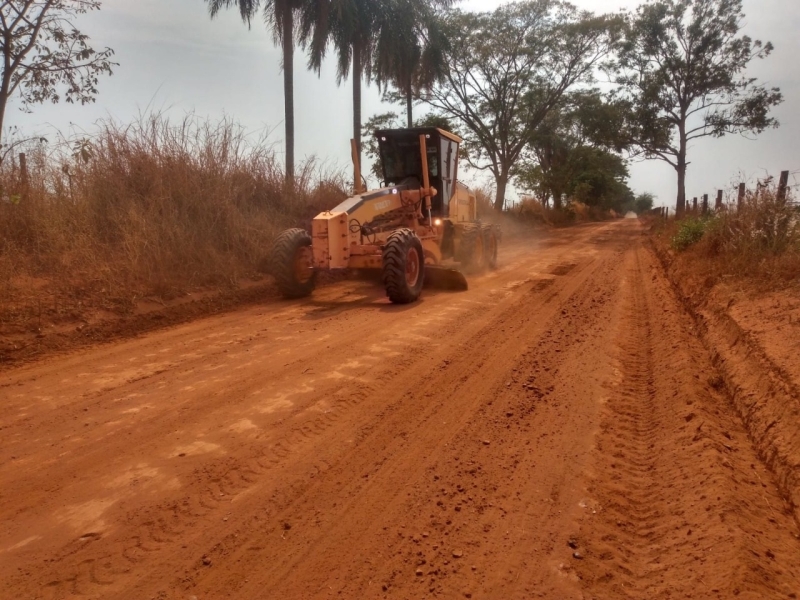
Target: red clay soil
[(753, 337), (558, 431)]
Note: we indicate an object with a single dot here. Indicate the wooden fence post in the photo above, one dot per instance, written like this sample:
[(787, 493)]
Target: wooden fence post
[(740, 200), (705, 204), (718, 205), (782, 185), (694, 205), (23, 169), (23, 176)]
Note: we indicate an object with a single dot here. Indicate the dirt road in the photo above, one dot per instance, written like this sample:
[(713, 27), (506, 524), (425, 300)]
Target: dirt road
[(556, 432)]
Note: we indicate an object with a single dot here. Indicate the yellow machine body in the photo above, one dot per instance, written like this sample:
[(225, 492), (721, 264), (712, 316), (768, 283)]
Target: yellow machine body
[(421, 219), (352, 234)]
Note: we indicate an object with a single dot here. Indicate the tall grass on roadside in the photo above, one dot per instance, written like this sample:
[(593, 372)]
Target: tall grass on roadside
[(761, 239), (153, 206)]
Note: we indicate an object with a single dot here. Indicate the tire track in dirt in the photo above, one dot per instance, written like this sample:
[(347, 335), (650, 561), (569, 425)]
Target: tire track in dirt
[(766, 396), (421, 461), (678, 484), (340, 448), (217, 482)]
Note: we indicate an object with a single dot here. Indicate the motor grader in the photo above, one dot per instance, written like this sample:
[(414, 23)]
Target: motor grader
[(420, 224)]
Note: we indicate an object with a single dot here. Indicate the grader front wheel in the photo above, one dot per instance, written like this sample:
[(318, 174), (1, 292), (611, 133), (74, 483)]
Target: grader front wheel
[(403, 266), (291, 263)]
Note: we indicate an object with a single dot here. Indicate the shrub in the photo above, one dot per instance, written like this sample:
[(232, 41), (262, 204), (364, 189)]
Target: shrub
[(690, 231)]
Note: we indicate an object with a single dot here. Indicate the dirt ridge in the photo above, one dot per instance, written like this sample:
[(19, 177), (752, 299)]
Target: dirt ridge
[(767, 399)]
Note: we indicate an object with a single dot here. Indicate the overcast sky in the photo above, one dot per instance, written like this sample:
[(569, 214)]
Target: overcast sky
[(172, 57)]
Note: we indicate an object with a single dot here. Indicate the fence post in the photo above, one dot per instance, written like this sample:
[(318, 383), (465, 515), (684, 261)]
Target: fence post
[(694, 205), (23, 169), (782, 185), (705, 204), (718, 205), (740, 200)]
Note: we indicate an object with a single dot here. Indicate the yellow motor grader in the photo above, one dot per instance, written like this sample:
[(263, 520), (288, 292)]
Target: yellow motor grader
[(416, 226)]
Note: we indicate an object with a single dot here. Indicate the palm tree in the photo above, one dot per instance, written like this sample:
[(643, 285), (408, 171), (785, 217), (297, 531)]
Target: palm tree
[(279, 14), (360, 31), (410, 56)]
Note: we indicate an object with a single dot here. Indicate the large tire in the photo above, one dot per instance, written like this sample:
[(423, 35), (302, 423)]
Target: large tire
[(471, 253), (490, 242), (403, 266), (291, 261)]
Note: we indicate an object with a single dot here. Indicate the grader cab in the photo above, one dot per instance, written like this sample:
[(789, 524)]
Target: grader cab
[(418, 225)]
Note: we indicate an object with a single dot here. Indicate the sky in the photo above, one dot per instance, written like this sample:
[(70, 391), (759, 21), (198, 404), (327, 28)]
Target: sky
[(173, 58)]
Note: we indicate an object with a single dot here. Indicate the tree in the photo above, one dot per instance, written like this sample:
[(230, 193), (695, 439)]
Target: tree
[(360, 30), (508, 69), (582, 131), (682, 68), (644, 202), (279, 15), (412, 56), (45, 57)]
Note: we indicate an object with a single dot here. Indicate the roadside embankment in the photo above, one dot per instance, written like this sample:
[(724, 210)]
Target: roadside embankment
[(753, 336)]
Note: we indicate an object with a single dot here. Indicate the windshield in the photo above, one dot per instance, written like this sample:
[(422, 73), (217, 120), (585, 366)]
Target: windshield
[(400, 159)]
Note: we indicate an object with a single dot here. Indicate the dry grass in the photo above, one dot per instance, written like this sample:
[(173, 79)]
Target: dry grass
[(760, 241), (152, 207)]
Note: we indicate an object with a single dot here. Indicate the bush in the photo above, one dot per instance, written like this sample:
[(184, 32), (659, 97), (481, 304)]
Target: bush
[(764, 226), (759, 240), (690, 231)]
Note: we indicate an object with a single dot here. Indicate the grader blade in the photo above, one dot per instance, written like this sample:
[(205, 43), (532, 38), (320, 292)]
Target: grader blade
[(445, 279)]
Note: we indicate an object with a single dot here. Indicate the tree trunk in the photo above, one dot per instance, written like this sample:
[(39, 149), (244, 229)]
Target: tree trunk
[(288, 91), (410, 104), (680, 205), (3, 104), (2, 119), (357, 74), (502, 184)]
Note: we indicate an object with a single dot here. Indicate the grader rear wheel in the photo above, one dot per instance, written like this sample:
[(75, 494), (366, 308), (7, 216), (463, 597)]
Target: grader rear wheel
[(472, 250), (403, 266), (490, 247), (291, 263)]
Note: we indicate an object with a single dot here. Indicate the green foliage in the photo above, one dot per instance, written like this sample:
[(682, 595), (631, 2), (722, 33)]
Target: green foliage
[(373, 38), (643, 203), (411, 55), (508, 69), (575, 148), (389, 120), (690, 231)]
